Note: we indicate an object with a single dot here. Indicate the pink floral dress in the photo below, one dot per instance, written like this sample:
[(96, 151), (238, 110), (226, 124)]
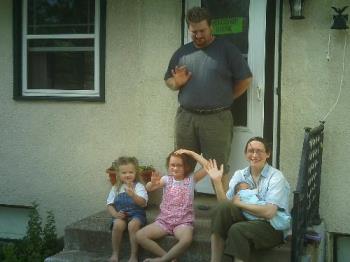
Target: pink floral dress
[(176, 208)]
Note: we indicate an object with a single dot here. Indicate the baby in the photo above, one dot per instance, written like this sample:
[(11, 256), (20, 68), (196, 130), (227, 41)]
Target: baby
[(281, 221)]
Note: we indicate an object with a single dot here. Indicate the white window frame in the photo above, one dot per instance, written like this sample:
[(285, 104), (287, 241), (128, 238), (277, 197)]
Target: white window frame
[(96, 92)]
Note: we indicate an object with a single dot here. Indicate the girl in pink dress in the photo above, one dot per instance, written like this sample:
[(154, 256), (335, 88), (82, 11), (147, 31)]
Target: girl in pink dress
[(176, 209)]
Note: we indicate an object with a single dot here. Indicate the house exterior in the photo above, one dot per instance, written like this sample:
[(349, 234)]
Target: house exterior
[(55, 152)]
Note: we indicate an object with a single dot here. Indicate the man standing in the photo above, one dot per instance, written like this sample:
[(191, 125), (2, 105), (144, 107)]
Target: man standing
[(209, 74)]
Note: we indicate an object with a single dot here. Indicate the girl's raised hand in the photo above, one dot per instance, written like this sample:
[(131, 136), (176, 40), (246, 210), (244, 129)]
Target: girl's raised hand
[(212, 169), (155, 178), (182, 151), (129, 189)]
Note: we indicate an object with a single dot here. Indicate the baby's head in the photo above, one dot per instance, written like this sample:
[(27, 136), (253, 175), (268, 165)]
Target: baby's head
[(127, 170), (179, 163), (241, 186)]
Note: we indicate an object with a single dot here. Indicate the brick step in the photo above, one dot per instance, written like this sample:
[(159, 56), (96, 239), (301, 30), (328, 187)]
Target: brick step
[(84, 256), (93, 234), (277, 254), (79, 256), (90, 239)]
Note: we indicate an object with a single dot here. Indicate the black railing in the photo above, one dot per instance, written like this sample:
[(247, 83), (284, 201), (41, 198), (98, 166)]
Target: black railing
[(305, 211)]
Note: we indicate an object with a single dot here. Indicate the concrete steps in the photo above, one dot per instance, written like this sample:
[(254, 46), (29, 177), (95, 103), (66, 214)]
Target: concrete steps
[(89, 240)]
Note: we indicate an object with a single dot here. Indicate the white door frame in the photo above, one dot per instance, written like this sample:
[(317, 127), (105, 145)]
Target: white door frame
[(276, 84)]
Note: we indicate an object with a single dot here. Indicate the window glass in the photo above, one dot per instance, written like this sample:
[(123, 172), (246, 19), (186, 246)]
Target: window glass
[(61, 16), (61, 64)]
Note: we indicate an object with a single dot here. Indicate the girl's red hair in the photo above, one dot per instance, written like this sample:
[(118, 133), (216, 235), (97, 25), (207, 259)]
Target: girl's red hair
[(186, 161)]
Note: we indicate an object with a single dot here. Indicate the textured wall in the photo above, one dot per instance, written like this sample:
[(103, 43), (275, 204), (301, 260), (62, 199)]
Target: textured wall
[(309, 88), (55, 153)]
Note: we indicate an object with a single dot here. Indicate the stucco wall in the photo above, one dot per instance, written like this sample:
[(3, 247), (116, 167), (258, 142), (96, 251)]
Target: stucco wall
[(55, 153), (309, 88)]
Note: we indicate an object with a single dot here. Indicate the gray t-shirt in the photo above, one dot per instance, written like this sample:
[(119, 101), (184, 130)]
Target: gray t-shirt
[(214, 69)]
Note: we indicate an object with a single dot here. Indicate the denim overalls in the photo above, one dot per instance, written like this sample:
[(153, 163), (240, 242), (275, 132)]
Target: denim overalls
[(124, 203)]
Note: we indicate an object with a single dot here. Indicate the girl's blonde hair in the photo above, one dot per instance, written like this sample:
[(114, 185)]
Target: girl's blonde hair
[(121, 161)]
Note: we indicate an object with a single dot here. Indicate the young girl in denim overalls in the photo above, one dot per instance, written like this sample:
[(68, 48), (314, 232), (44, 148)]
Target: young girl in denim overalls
[(126, 202), (176, 209)]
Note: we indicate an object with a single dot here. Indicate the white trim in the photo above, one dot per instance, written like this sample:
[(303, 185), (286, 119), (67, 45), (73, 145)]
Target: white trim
[(256, 61), (58, 92), (61, 25), (24, 47), (62, 36), (61, 49), (275, 85), (97, 47)]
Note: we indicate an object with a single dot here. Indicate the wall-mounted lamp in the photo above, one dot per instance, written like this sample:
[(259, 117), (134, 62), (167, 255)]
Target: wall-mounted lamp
[(340, 20), (296, 9)]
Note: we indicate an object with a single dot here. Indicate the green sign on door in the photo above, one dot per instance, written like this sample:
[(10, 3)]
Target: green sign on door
[(225, 26)]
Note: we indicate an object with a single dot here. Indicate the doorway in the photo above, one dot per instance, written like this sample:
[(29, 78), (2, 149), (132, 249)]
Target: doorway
[(243, 22)]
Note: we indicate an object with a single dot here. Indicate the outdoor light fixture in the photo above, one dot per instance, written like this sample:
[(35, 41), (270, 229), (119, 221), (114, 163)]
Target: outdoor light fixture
[(340, 20), (296, 9)]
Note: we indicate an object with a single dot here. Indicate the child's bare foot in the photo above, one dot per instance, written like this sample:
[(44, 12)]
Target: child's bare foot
[(113, 258)]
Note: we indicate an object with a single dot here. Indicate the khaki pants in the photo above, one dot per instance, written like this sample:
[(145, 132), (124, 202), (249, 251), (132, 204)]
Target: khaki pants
[(210, 134), (241, 235)]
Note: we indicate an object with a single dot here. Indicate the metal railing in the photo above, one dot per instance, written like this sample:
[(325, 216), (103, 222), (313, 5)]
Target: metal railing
[(305, 211)]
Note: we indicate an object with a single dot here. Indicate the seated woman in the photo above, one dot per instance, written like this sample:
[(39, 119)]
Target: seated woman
[(234, 235)]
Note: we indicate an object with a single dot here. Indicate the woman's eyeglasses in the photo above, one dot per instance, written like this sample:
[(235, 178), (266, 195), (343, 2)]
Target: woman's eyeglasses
[(256, 151)]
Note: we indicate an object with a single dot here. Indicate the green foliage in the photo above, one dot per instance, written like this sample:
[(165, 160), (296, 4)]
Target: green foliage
[(50, 242), (39, 242), (9, 253), (146, 173), (32, 242), (146, 168)]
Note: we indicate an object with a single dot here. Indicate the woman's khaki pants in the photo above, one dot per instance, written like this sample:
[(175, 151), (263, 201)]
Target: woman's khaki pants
[(241, 236)]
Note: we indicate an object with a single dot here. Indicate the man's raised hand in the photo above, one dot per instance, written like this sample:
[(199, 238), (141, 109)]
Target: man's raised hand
[(181, 76)]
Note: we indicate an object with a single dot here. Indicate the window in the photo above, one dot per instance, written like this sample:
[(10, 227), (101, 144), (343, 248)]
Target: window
[(59, 49), (14, 221)]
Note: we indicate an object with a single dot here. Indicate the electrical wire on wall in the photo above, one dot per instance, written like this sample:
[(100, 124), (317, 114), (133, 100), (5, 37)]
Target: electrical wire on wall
[(342, 72)]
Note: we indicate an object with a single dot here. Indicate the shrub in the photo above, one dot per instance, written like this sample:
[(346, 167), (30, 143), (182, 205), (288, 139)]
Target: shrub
[(38, 243), (50, 242), (9, 253)]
